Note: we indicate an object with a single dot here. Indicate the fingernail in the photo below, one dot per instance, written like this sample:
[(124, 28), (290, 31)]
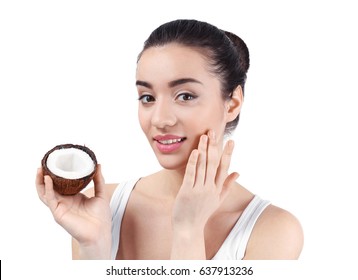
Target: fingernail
[(204, 138)]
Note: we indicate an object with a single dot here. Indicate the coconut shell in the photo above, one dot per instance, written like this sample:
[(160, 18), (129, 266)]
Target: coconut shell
[(69, 186)]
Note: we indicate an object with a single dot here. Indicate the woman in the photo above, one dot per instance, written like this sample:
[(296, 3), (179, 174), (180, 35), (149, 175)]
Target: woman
[(190, 81)]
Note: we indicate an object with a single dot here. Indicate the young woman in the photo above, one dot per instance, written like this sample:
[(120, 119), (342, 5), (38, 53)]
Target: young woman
[(190, 81)]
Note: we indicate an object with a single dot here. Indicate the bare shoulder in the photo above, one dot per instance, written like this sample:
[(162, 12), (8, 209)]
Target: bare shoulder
[(277, 235)]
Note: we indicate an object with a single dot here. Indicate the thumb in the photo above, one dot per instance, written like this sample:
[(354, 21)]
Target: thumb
[(99, 184)]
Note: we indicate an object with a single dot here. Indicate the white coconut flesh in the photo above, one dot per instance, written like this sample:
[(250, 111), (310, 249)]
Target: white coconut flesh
[(70, 163)]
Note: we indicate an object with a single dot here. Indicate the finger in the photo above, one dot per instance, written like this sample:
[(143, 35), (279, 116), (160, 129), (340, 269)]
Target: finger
[(229, 181), (50, 196), (201, 165), (224, 163), (212, 160), (190, 170), (99, 184), (40, 185)]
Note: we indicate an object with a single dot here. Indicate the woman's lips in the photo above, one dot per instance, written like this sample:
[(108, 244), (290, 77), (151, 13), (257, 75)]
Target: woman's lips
[(168, 143)]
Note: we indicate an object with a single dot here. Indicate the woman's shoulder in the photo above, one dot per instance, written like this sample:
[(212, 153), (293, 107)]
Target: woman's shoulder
[(277, 235), (109, 190)]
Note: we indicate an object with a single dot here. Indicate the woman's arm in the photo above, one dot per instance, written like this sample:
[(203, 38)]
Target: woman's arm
[(82, 252), (86, 219)]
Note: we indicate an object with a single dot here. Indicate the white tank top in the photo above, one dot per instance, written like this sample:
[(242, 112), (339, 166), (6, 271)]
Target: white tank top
[(234, 246)]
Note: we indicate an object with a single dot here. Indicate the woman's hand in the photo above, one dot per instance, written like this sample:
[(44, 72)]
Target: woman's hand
[(205, 185), (88, 220)]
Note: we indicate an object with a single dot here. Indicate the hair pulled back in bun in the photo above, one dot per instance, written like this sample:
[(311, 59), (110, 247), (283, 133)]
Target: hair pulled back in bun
[(243, 51), (227, 53)]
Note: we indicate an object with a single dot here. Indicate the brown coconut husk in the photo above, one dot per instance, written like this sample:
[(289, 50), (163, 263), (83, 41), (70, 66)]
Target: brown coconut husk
[(69, 186)]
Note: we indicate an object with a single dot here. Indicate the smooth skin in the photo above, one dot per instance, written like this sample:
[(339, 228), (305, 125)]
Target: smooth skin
[(205, 187), (88, 220), (187, 209)]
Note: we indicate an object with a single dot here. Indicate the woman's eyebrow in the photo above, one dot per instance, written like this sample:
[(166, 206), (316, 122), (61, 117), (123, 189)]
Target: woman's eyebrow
[(143, 84), (183, 81), (170, 84)]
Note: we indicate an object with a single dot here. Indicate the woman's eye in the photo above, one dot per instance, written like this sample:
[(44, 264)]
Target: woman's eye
[(145, 99), (185, 97)]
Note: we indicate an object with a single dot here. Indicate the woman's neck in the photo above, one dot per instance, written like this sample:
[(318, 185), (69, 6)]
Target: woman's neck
[(171, 181)]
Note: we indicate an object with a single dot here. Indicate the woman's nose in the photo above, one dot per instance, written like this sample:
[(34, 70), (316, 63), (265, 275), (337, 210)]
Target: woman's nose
[(163, 115)]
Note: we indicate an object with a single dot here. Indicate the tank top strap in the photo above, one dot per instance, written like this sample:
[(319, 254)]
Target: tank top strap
[(118, 205), (234, 246), (249, 218)]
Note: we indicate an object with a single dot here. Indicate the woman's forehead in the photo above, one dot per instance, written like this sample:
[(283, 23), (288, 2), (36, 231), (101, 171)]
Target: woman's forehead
[(173, 61)]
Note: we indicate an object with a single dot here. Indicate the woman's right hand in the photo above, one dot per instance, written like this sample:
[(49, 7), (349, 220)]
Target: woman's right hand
[(88, 220)]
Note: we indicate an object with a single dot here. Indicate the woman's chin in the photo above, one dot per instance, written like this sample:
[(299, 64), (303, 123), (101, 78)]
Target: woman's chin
[(172, 162)]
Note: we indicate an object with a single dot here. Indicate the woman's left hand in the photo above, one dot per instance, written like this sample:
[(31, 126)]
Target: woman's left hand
[(205, 185)]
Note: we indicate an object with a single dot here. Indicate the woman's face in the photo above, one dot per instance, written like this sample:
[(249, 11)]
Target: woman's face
[(179, 100)]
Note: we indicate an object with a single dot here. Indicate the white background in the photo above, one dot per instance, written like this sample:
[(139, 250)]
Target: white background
[(67, 74)]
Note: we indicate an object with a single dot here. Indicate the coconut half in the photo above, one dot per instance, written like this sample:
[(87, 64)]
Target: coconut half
[(71, 167)]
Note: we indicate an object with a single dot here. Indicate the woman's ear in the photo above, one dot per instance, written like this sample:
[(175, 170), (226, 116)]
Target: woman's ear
[(233, 106)]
